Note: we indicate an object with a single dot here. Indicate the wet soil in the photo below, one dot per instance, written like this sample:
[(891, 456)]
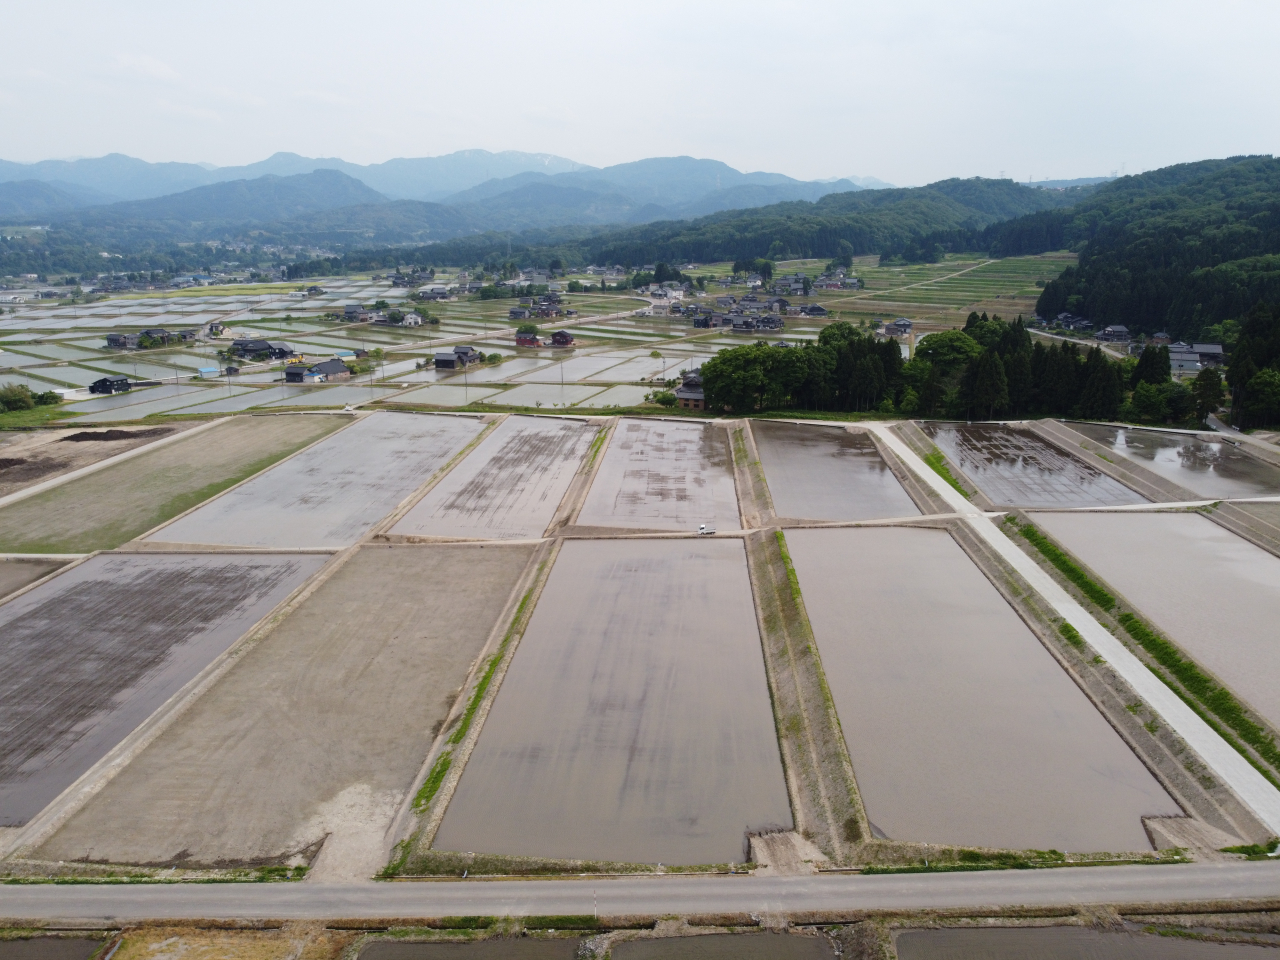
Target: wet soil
[(664, 475), (89, 655), (16, 574), (498, 948), (28, 457), (1014, 467), (827, 473), (48, 948), (962, 728), (1218, 469), (634, 723), (726, 946), (1065, 943)]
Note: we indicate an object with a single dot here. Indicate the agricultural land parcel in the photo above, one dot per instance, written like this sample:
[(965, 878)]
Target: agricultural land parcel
[(92, 653), (318, 730), (658, 743), (330, 495), (962, 728), (104, 509), (31, 457)]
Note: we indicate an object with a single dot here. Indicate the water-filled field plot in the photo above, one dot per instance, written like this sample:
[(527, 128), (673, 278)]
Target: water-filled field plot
[(16, 573), (1210, 469), (634, 722), (664, 475), (827, 473), (1014, 467), (318, 730), (1211, 592), (1065, 943), (508, 487), (330, 495), (87, 656), (727, 946), (106, 508), (962, 728)]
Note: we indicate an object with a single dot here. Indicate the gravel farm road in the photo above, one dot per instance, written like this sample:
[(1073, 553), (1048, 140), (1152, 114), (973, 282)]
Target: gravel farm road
[(684, 895)]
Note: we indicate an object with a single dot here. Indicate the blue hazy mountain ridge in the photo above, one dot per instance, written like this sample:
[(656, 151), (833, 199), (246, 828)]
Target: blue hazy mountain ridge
[(23, 199)]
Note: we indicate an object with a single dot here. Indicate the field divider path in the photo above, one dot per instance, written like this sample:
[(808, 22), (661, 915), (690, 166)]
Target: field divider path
[(49, 484), (1248, 784), (502, 645), (89, 784), (138, 541)]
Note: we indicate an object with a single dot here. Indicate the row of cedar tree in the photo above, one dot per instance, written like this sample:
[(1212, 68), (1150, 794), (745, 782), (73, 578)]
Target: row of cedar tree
[(989, 369)]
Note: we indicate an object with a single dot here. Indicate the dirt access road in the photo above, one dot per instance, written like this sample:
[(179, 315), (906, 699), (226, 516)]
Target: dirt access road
[(681, 895)]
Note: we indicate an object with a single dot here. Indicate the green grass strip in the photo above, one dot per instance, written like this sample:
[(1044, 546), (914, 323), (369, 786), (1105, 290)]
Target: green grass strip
[(1068, 568), (1216, 698), (792, 579), (433, 782), (1072, 635), (938, 464)]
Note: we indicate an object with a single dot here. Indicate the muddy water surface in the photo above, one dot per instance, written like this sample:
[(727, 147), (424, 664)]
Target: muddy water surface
[(497, 948), (827, 473), (726, 946), (1214, 594), (48, 948), (664, 475), (1218, 469), (1014, 467), (89, 655), (509, 487), (1065, 943), (634, 723), (962, 728)]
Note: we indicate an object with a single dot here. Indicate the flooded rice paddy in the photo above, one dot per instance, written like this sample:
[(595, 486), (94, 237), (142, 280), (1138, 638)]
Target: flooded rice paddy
[(664, 475), (1065, 943), (726, 946), (508, 487), (827, 473), (1014, 467), (49, 948), (329, 495), (92, 653), (1214, 594), (962, 728), (497, 948), (634, 723), (1217, 469)]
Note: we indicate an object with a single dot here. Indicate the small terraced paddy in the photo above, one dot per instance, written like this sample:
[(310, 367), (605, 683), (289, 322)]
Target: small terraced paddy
[(827, 473), (1218, 469), (1014, 467), (92, 653), (1214, 594), (508, 487), (330, 495), (962, 728), (658, 742), (664, 475)]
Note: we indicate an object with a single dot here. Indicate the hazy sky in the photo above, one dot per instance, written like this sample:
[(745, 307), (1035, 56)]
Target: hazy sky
[(907, 90)]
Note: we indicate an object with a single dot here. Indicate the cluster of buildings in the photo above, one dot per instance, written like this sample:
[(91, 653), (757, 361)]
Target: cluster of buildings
[(1182, 356), (545, 306), (132, 341), (749, 313)]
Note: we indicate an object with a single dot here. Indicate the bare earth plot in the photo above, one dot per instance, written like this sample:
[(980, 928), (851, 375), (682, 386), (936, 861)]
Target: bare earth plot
[(1064, 943), (36, 456), (1209, 469), (634, 723), (1014, 467), (120, 502), (509, 487), (318, 731), (961, 726), (89, 655), (827, 473), (1214, 594), (16, 574), (664, 475), (330, 495)]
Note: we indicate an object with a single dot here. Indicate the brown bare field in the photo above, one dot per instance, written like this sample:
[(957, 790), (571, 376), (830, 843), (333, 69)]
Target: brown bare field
[(31, 457)]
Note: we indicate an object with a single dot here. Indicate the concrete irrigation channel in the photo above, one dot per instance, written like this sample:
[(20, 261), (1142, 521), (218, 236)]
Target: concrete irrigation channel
[(827, 473), (305, 749), (658, 744), (90, 654), (330, 495), (1015, 467), (664, 475), (509, 487), (106, 508), (962, 729), (1213, 593)]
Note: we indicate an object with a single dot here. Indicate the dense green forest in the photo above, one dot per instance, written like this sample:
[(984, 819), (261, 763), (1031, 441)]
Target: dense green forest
[(989, 369), (1253, 372)]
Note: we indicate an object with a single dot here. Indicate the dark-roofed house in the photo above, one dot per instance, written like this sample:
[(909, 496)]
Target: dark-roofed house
[(814, 310), (258, 349), (122, 341), (899, 328), (689, 395), (561, 338), (323, 372), (519, 313), (457, 358), (116, 383), (1116, 333), (1211, 354)]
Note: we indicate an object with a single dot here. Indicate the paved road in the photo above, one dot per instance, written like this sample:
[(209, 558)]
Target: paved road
[(653, 895)]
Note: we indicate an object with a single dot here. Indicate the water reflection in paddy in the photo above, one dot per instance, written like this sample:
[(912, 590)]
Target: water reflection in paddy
[(1210, 469)]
